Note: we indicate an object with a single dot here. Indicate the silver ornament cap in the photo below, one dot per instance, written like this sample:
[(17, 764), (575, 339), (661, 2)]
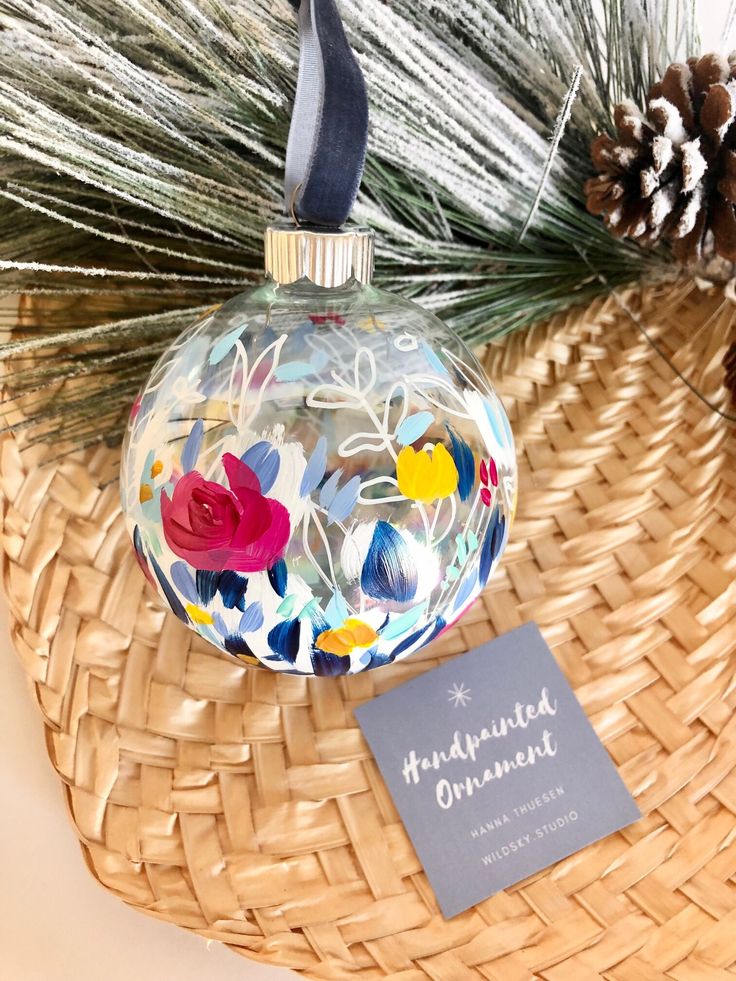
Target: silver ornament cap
[(325, 256)]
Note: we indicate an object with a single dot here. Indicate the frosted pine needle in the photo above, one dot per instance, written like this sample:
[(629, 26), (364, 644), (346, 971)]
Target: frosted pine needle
[(142, 146)]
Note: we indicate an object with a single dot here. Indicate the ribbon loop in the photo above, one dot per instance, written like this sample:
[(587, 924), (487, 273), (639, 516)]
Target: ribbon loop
[(329, 124)]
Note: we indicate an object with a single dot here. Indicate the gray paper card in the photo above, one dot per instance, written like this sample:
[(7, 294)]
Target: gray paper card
[(494, 768)]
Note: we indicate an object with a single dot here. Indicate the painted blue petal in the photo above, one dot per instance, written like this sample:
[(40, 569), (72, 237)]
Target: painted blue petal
[(263, 459), (232, 588), (405, 621), (147, 464), (277, 576), (218, 622), (320, 360), (468, 585), (375, 659), (171, 598), (207, 583), (413, 427), (152, 509), (293, 370), (388, 570), (235, 644), (252, 619), (191, 448), (433, 359), (318, 620), (423, 636), (365, 657), (327, 494), (184, 581), (344, 501), (138, 545), (337, 610), (326, 665), (495, 405), (465, 463), (205, 630), (223, 346), (284, 639), (491, 547), (499, 423), (315, 469)]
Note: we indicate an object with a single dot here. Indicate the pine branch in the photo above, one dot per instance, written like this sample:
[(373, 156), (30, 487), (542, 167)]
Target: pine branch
[(142, 145)]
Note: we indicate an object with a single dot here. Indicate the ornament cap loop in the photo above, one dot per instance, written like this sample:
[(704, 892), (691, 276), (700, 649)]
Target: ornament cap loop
[(325, 257)]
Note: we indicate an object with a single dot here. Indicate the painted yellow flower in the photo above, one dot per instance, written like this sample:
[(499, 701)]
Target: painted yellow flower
[(422, 477), (353, 633), (197, 614)]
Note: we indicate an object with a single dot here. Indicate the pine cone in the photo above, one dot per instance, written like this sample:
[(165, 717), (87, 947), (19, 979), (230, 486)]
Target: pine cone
[(671, 173)]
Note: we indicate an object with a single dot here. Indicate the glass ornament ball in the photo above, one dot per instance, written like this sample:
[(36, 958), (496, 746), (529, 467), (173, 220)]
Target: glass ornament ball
[(318, 480)]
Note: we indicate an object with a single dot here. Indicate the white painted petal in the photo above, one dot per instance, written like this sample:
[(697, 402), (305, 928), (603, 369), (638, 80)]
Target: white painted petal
[(355, 548), (427, 565)]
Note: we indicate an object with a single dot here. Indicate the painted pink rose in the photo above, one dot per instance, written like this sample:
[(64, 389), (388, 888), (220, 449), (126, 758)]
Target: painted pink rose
[(214, 528)]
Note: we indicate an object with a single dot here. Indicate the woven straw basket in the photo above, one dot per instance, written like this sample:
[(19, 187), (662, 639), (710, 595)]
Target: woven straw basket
[(246, 806)]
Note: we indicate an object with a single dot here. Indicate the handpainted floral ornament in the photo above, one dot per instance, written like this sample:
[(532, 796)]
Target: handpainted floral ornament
[(317, 476)]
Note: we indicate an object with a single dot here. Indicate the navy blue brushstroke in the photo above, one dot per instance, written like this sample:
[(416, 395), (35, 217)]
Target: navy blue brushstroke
[(326, 665), (232, 588), (235, 644), (277, 576), (465, 463), (438, 625), (388, 571), (492, 542), (207, 582), (171, 598), (138, 545), (284, 638)]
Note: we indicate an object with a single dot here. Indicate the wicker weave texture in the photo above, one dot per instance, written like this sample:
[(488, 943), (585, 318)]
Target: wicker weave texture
[(245, 805)]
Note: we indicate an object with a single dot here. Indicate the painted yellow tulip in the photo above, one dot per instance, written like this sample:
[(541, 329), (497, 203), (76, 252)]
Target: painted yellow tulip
[(425, 477)]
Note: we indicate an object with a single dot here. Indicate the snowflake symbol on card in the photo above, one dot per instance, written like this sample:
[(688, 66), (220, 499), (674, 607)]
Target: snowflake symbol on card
[(459, 695)]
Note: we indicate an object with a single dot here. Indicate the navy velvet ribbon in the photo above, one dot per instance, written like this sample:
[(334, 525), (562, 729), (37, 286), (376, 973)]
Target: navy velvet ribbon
[(329, 124)]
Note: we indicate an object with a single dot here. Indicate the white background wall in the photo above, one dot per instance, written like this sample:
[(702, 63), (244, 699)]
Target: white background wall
[(56, 923)]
